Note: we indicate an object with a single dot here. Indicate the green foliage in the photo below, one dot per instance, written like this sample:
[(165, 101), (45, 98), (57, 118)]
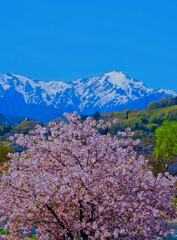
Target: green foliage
[(32, 238), (4, 233), (166, 142), (4, 150), (151, 127), (157, 118)]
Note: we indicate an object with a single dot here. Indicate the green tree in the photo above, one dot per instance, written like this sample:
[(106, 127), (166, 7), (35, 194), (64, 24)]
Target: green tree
[(4, 150), (166, 143)]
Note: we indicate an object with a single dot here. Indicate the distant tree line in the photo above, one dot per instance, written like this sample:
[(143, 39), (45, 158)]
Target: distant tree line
[(167, 102)]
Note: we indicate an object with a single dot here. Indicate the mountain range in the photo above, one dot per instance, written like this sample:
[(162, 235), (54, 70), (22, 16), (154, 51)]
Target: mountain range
[(44, 101)]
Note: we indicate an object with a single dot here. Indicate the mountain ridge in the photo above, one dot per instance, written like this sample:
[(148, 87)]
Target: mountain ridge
[(42, 100)]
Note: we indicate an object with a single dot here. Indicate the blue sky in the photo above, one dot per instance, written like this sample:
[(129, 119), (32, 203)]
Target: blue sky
[(64, 40)]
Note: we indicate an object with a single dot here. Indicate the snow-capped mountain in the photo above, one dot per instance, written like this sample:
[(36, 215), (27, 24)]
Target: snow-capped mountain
[(113, 91)]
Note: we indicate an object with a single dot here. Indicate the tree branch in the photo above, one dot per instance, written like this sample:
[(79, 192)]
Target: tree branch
[(70, 235)]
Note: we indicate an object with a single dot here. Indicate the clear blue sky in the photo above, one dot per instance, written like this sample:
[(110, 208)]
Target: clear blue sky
[(64, 40)]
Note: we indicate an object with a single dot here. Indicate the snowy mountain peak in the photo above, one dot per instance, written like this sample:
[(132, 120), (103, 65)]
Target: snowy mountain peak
[(10, 76), (10, 79), (21, 78), (117, 78)]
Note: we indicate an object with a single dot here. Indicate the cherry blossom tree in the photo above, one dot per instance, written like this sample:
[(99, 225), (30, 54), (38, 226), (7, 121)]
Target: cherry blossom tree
[(73, 182)]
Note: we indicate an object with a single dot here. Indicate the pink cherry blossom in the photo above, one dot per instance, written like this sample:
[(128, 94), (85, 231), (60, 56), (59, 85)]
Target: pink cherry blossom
[(73, 182)]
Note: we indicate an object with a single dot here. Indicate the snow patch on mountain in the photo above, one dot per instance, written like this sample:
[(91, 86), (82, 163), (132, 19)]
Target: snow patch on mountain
[(118, 78), (167, 92), (52, 88)]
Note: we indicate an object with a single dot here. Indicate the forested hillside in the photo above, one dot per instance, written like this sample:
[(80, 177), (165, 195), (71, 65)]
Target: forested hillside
[(147, 120)]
